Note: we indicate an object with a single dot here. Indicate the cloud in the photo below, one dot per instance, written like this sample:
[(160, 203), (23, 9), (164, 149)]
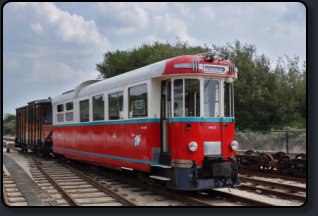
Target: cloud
[(128, 16), (37, 28), (174, 26), (207, 12), (10, 64), (67, 27), (50, 71)]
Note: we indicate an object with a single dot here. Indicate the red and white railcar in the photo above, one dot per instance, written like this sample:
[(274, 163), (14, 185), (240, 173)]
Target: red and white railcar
[(173, 119)]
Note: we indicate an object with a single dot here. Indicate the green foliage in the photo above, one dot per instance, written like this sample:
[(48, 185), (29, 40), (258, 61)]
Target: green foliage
[(275, 141), (121, 61), (9, 124), (265, 98)]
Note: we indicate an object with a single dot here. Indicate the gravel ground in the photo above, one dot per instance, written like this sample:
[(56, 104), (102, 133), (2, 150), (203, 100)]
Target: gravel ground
[(20, 158)]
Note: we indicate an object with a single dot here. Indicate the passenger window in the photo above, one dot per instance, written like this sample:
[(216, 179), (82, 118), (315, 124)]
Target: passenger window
[(60, 117), (211, 98), (115, 104), (69, 105), (84, 111), (178, 97), (69, 116), (138, 101), (60, 108), (192, 97), (98, 107)]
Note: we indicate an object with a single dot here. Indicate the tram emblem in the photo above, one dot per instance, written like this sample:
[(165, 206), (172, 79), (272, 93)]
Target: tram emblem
[(137, 140), (114, 135)]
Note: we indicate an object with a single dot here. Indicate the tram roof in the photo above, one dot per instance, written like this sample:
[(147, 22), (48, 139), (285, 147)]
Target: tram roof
[(162, 68)]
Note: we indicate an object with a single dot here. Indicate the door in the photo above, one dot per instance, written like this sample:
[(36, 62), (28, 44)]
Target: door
[(165, 114)]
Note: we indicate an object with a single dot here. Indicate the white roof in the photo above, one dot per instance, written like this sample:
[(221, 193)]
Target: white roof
[(94, 86)]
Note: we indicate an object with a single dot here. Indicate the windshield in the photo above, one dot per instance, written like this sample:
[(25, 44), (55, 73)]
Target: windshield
[(211, 98)]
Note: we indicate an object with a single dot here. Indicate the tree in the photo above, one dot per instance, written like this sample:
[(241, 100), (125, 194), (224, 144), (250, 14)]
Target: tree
[(9, 124), (265, 98)]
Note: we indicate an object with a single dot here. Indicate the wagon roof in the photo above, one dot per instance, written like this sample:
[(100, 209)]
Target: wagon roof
[(49, 100)]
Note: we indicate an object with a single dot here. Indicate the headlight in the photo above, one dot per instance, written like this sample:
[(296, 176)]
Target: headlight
[(234, 145), (193, 146)]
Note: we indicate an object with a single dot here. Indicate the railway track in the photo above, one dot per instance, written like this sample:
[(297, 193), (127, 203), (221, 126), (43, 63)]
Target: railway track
[(283, 191), (145, 185), (76, 180), (76, 188), (301, 179), (11, 193)]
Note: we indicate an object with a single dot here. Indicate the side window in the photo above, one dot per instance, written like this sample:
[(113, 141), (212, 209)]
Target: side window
[(178, 97), (60, 108), (69, 115), (138, 101), (60, 116), (84, 111), (69, 106), (98, 107), (228, 100), (115, 103)]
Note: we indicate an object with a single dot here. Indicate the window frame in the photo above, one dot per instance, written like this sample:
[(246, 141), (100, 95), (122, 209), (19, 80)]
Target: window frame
[(93, 114), (147, 98), (183, 96), (70, 102), (79, 108), (108, 105), (219, 81), (57, 108)]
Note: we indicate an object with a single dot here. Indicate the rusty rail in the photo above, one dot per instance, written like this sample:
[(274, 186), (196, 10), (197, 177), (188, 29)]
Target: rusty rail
[(56, 184)]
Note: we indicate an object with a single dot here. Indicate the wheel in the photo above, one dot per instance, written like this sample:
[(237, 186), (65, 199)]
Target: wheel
[(248, 152), (267, 162), (300, 156), (279, 154)]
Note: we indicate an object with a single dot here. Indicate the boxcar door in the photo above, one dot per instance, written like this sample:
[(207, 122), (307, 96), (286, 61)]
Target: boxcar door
[(165, 153)]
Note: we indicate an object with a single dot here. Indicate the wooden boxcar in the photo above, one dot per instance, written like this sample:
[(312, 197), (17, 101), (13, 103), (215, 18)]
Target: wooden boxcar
[(34, 126)]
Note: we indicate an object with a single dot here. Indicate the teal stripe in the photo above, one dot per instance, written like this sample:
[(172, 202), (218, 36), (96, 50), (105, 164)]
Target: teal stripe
[(135, 121), (108, 156), (154, 120), (213, 120)]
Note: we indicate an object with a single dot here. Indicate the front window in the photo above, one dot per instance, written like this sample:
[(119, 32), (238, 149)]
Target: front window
[(191, 94), (178, 97), (211, 98), (192, 97)]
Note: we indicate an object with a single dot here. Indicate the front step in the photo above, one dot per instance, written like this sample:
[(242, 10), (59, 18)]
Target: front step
[(160, 178), (161, 166), (161, 172)]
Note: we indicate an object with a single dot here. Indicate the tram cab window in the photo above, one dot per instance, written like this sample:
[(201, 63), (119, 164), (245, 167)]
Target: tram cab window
[(138, 101), (115, 103), (192, 97), (211, 98), (228, 99), (84, 111), (98, 107), (178, 97)]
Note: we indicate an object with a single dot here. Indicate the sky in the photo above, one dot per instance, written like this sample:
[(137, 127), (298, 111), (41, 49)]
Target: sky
[(49, 48)]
